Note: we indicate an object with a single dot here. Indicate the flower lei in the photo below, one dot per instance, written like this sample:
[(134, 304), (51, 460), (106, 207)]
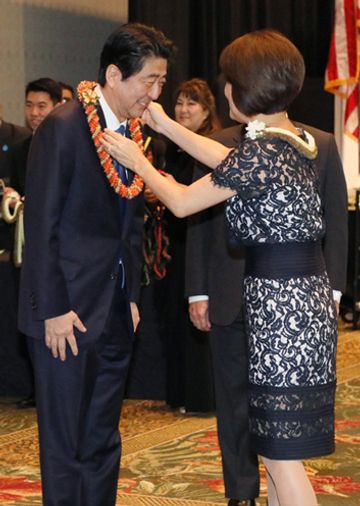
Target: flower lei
[(256, 129), (89, 99)]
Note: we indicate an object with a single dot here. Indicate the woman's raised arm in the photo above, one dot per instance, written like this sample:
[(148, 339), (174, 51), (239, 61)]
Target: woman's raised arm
[(203, 149), (182, 200)]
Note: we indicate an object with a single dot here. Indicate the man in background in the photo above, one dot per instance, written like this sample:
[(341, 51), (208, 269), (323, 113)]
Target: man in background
[(41, 97), (67, 92), (10, 135)]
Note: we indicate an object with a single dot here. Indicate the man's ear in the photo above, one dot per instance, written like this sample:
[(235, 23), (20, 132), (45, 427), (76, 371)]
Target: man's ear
[(112, 74)]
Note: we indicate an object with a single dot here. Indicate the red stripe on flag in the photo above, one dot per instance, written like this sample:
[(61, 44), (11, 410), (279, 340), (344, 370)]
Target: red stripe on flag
[(351, 34), (342, 71), (331, 70)]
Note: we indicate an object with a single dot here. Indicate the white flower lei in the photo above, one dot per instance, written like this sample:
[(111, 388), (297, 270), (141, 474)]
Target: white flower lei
[(254, 129)]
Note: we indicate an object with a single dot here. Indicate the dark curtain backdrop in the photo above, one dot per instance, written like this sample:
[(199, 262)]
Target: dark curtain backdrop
[(201, 29)]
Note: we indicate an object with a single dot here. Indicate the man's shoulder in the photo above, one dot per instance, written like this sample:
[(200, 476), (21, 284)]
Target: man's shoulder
[(12, 133), (65, 120), (22, 144), (21, 132), (319, 135), (228, 136), (71, 111)]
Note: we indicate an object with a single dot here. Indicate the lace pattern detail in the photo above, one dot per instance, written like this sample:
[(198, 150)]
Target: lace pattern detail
[(299, 418), (292, 329), (277, 196), (252, 167)]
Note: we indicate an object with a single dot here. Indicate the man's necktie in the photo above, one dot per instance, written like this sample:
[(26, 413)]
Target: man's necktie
[(122, 173), (120, 168)]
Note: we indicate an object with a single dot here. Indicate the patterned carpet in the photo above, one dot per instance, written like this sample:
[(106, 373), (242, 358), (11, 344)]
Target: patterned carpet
[(173, 460)]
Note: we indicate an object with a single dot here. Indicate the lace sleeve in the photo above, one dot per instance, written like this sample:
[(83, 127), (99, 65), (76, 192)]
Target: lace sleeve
[(248, 169)]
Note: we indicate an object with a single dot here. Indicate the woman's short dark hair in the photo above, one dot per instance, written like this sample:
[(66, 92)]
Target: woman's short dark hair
[(266, 72), (128, 47), (198, 90)]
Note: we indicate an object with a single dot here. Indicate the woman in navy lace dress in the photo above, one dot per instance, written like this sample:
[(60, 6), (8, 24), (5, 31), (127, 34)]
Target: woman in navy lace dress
[(274, 208)]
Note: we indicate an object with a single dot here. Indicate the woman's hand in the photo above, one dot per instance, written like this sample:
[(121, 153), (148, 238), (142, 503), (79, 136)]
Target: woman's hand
[(155, 117), (124, 150)]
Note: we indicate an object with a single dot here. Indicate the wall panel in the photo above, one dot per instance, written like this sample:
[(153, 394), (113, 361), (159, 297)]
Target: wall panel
[(61, 39)]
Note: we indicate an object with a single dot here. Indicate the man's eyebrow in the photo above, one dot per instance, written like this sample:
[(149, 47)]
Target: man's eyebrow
[(43, 102), (155, 75)]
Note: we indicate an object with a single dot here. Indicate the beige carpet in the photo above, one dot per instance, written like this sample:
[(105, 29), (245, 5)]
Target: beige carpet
[(173, 460)]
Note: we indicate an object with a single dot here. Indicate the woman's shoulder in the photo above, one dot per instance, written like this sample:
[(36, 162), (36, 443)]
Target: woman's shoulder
[(270, 140)]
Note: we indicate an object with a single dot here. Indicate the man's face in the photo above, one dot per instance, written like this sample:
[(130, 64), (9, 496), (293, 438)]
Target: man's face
[(38, 104), (66, 95), (130, 97)]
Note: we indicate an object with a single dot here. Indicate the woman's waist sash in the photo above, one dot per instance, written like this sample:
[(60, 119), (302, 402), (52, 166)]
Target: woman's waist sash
[(287, 260)]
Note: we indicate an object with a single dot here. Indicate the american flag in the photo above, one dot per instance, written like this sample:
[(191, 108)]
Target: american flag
[(342, 71)]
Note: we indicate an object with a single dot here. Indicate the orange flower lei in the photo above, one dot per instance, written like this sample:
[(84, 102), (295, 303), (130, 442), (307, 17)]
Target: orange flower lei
[(90, 100)]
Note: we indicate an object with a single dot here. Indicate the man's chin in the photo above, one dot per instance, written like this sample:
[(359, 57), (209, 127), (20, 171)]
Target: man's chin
[(137, 111)]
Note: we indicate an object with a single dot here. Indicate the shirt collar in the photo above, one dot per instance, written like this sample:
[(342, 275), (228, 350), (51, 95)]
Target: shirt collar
[(111, 120)]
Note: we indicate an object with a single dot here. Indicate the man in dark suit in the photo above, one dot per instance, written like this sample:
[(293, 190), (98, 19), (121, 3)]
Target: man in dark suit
[(81, 272), (10, 136), (41, 97), (214, 274)]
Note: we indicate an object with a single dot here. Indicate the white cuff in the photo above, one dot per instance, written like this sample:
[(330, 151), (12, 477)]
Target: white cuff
[(197, 298), (337, 295)]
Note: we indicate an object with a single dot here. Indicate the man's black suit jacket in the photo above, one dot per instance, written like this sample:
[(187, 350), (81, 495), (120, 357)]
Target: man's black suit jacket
[(216, 270), (11, 138), (74, 231), (19, 165)]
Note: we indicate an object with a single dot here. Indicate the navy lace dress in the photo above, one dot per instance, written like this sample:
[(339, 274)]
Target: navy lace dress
[(290, 312)]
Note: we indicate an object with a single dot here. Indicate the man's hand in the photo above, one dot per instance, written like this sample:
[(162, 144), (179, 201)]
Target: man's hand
[(135, 315), (59, 330), (199, 315)]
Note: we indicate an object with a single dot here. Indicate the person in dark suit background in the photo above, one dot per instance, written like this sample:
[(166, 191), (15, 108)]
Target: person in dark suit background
[(10, 136), (82, 264), (214, 270), (41, 97)]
